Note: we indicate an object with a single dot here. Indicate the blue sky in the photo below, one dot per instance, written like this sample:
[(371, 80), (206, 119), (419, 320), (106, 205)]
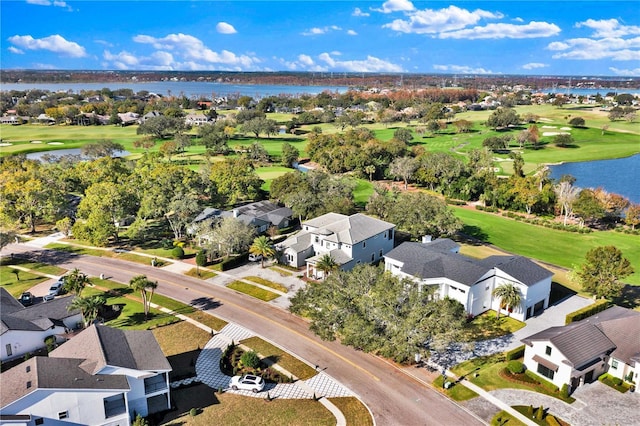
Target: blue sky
[(592, 38)]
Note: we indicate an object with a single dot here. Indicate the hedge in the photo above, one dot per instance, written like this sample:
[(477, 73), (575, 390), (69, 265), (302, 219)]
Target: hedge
[(543, 382), (587, 311), (515, 367), (232, 262), (515, 353), (551, 420)]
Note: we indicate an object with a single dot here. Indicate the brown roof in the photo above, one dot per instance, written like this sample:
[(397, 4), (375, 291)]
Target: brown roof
[(625, 333), (100, 346), (53, 373)]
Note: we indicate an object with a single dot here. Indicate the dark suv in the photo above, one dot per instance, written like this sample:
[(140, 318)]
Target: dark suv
[(26, 298)]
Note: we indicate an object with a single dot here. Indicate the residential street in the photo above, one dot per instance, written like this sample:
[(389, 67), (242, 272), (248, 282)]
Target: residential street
[(394, 397)]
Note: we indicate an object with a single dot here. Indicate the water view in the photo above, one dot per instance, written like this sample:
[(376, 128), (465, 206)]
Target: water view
[(620, 176)]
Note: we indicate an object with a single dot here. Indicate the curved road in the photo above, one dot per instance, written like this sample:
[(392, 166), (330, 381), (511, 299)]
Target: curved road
[(393, 397)]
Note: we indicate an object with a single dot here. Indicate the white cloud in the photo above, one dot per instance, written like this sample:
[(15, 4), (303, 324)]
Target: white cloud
[(103, 42), (53, 43), (194, 52), (371, 64), (305, 59), (429, 21), (396, 6), (534, 65), (626, 73), (55, 3), (607, 28), (358, 12), (497, 31), (123, 60), (616, 49), (462, 69), (351, 33), (15, 50), (320, 31), (225, 28), (41, 66)]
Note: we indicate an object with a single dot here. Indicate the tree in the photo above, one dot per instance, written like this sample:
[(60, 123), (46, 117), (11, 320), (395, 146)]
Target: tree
[(201, 260), (234, 180), (370, 170), (146, 287), (403, 134), (577, 122), (263, 247), (588, 207), (563, 140), (632, 216), (509, 295), (181, 211), (7, 237), (161, 126), (89, 306), (566, 194), (603, 270), (502, 118), (403, 167), (327, 264), (230, 235), (102, 148), (75, 282), (290, 154), (518, 163)]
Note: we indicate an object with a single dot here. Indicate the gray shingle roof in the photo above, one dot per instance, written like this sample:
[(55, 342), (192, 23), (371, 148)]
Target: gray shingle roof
[(524, 270), (53, 373), (37, 317), (8, 303), (436, 260), (100, 346), (348, 229), (625, 333)]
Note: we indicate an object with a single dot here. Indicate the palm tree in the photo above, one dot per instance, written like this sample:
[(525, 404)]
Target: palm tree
[(89, 306), (262, 246), (146, 287), (75, 282), (370, 170), (327, 264), (509, 295)]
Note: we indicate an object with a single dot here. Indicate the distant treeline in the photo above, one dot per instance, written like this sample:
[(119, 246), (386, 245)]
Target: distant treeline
[(412, 81)]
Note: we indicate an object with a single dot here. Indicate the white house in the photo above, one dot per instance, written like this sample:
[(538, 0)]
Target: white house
[(24, 329), (196, 119), (102, 376), (578, 353), (350, 240), (471, 281)]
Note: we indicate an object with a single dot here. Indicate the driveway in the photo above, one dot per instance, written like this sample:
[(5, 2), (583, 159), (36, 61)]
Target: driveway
[(553, 316)]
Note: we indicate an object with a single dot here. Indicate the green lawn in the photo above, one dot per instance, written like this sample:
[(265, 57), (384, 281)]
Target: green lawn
[(15, 286), (488, 326), (267, 283), (561, 248), (287, 361), (43, 268), (253, 291)]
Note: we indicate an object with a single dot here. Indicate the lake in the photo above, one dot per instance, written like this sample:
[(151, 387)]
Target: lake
[(191, 89), (620, 176), (67, 151)]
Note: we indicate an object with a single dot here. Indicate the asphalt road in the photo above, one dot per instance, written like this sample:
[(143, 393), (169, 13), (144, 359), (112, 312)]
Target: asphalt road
[(393, 397)]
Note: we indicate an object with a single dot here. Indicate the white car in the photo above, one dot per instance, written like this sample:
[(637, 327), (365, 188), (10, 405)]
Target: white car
[(54, 290), (247, 382), (255, 257)]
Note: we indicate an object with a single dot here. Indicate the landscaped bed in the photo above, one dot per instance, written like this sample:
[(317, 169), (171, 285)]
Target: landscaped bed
[(234, 361), (538, 415), (252, 290), (267, 283), (488, 326), (287, 361)]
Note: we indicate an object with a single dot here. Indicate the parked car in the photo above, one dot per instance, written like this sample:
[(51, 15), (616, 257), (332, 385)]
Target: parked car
[(26, 298), (54, 290), (255, 257), (247, 382)]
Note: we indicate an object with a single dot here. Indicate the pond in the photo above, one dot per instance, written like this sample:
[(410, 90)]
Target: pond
[(620, 176), (67, 151)]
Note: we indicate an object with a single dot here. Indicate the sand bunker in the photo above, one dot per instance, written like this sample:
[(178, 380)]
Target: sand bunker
[(36, 141), (549, 127), (566, 128), (5, 144), (555, 133), (55, 143)]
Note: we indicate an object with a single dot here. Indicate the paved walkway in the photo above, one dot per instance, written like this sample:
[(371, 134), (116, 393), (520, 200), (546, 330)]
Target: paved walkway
[(321, 386)]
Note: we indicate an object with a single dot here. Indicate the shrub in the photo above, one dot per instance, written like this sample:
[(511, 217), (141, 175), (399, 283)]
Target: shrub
[(50, 342), (530, 411), (515, 367), (587, 311), (551, 421), (193, 412), (564, 392), (177, 252), (515, 353), (250, 359), (232, 262), (540, 413), (616, 381)]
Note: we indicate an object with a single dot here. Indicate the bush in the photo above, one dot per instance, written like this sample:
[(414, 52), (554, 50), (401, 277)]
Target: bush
[(540, 413), (551, 421), (177, 252), (250, 359), (587, 311), (616, 381), (232, 262), (515, 353), (515, 367), (193, 412), (564, 392)]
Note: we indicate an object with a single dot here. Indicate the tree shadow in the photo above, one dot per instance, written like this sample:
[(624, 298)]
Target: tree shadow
[(475, 233), (630, 297), (271, 359), (205, 303), (197, 396)]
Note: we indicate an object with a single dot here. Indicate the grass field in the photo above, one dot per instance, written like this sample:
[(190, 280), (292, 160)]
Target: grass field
[(561, 248), (287, 361), (17, 284), (252, 290)]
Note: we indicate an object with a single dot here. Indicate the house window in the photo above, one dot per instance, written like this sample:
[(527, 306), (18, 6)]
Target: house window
[(614, 364), (63, 415), (546, 372), (28, 368), (364, 244), (385, 235), (28, 384), (9, 351), (114, 405), (39, 421), (548, 350), (380, 254), (373, 257), (317, 239), (487, 288)]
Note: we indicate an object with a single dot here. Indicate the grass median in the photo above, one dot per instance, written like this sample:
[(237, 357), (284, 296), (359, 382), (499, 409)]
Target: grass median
[(253, 291)]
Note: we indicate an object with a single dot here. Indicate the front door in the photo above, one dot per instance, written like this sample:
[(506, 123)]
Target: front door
[(588, 378)]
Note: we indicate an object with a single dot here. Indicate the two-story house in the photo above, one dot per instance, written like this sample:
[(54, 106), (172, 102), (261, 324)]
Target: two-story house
[(471, 281), (349, 240), (102, 376)]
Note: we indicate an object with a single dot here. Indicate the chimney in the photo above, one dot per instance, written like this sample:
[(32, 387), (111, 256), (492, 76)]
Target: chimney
[(426, 239)]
